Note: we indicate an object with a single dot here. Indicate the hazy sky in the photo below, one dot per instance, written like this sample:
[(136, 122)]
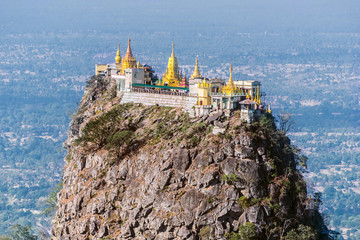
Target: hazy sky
[(185, 15)]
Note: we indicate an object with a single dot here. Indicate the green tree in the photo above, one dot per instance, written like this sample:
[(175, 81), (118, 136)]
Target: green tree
[(118, 142), (245, 232), (301, 233), (19, 232), (267, 123), (51, 200)]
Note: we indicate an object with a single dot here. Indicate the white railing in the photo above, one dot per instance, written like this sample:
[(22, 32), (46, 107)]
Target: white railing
[(153, 91)]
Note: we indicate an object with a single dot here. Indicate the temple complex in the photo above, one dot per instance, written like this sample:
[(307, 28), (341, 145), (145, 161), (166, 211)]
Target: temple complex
[(197, 95)]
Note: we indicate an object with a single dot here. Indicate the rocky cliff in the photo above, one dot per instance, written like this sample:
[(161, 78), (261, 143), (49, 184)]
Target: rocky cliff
[(136, 172)]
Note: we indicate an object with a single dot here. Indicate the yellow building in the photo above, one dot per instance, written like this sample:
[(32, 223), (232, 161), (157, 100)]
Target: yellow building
[(100, 69), (171, 76), (204, 89), (129, 61)]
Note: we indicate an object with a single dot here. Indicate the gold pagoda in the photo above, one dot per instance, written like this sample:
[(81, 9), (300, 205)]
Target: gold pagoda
[(118, 56), (230, 87), (129, 61), (171, 76), (196, 73)]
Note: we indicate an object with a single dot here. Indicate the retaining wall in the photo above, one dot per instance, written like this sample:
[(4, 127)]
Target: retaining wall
[(185, 102)]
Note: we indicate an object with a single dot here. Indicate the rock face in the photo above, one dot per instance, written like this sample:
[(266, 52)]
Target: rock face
[(171, 177)]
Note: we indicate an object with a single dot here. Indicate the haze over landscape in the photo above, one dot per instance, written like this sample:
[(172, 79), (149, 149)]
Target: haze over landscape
[(305, 53)]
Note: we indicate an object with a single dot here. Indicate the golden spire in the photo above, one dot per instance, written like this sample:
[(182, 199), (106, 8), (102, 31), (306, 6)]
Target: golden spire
[(118, 57), (196, 73), (129, 61), (138, 64), (172, 71), (128, 54), (258, 97), (230, 88), (173, 52), (230, 79), (269, 110)]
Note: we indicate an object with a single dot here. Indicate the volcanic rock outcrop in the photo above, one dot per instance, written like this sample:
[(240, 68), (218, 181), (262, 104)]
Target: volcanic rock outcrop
[(136, 172)]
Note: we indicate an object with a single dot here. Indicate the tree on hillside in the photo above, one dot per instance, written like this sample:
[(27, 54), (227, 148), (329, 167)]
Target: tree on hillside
[(245, 232), (285, 122), (19, 232), (51, 200), (301, 233)]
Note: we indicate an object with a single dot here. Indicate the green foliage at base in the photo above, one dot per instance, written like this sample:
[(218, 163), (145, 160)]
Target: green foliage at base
[(205, 233), (230, 178), (245, 232), (121, 127), (100, 130), (267, 123), (19, 232), (301, 233), (246, 202)]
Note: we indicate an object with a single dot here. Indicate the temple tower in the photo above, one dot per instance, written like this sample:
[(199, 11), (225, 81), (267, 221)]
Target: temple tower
[(171, 76), (230, 87), (196, 73), (118, 56), (129, 61)]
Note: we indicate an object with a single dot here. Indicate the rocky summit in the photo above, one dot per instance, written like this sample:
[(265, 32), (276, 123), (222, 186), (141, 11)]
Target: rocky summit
[(151, 172)]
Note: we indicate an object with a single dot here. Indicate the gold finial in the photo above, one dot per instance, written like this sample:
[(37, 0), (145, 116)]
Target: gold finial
[(128, 54), (269, 110), (138, 64), (173, 52), (118, 57), (231, 69)]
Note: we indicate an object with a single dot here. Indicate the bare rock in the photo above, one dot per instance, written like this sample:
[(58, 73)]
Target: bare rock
[(180, 158), (214, 116)]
